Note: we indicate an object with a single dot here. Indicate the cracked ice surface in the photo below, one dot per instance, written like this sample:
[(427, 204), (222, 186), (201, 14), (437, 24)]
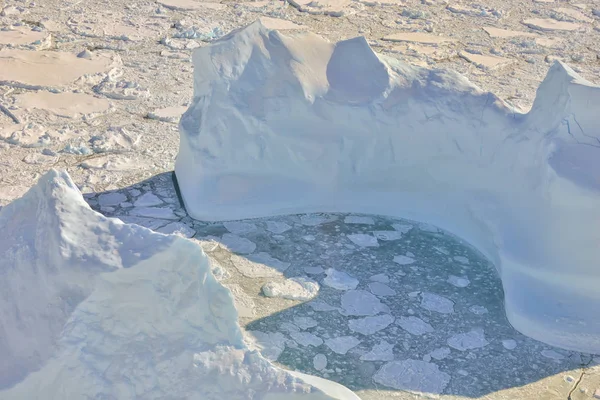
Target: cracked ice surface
[(451, 156), (305, 325)]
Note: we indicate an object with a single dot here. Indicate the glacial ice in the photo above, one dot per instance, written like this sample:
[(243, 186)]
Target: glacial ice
[(290, 123), (96, 308)]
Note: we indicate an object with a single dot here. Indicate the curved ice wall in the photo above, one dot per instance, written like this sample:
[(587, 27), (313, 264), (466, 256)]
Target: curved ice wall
[(292, 123)]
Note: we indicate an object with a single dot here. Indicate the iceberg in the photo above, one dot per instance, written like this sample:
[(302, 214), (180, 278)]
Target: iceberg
[(291, 123), (96, 308)]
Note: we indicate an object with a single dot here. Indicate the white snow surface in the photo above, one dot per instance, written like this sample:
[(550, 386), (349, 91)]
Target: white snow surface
[(95, 308), (289, 123)]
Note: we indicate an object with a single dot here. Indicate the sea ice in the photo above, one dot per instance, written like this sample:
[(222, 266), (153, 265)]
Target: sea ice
[(468, 341), (383, 351), (370, 325), (381, 289), (363, 240), (361, 302), (177, 228), (509, 344), (339, 280), (320, 362), (111, 199), (381, 278), (403, 260), (437, 303), (239, 228), (354, 219), (154, 212), (414, 325), (512, 199), (342, 344), (305, 322), (148, 200), (238, 244), (412, 375), (440, 353), (458, 281), (277, 227), (306, 339), (387, 235)]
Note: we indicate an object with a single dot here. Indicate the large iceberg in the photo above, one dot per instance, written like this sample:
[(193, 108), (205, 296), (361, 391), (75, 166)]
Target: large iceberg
[(289, 123), (95, 308)]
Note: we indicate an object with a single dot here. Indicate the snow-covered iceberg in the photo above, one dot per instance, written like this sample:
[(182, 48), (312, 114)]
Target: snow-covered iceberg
[(95, 308), (289, 123)]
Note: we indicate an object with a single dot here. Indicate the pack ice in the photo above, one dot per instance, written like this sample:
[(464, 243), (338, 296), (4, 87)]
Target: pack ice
[(95, 308), (289, 123)]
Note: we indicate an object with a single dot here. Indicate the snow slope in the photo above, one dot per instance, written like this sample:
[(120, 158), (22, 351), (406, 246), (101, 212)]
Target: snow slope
[(95, 308), (288, 123)]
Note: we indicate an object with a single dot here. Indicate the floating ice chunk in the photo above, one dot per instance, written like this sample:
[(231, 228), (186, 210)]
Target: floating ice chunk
[(553, 355), (361, 302), (339, 280), (428, 228), (458, 281), (383, 351), (381, 289), (238, 244), (177, 228), (461, 259), (277, 227), (299, 288), (306, 339), (314, 219), (304, 323), (148, 200), (321, 306), (260, 265), (388, 235), (442, 250), (239, 228), (320, 362), (412, 375), (370, 325), (354, 219), (437, 303), (440, 353), (154, 212), (363, 240), (111, 199), (403, 260), (478, 310), (270, 344), (314, 270), (509, 344), (414, 325), (342, 344), (468, 341), (402, 228), (381, 278)]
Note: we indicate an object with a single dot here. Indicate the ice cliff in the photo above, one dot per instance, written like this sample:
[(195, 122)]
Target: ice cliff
[(95, 308), (289, 123)]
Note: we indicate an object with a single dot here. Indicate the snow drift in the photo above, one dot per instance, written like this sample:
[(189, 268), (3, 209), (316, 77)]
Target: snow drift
[(95, 308), (289, 123)]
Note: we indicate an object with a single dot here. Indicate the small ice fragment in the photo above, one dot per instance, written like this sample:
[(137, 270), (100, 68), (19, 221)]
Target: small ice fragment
[(403, 260), (339, 280), (434, 302), (342, 344), (469, 340), (363, 240), (458, 281)]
